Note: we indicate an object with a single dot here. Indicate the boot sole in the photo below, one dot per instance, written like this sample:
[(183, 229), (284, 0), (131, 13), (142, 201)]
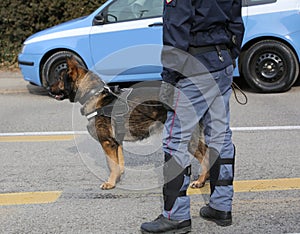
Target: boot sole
[(223, 223), (177, 231)]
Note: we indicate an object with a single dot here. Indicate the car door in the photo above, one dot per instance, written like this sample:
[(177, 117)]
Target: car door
[(126, 39)]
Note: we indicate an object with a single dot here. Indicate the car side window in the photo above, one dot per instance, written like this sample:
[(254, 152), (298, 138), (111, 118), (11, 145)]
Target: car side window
[(154, 8), (125, 10)]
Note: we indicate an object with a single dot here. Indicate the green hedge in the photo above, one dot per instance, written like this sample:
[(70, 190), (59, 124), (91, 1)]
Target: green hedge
[(21, 18)]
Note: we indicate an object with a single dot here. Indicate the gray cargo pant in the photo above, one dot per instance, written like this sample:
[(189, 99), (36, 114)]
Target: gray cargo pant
[(202, 98)]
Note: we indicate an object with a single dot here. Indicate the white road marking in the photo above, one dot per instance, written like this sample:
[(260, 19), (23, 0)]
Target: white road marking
[(265, 128), (235, 129)]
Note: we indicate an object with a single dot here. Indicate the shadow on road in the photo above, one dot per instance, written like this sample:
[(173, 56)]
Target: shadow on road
[(36, 90)]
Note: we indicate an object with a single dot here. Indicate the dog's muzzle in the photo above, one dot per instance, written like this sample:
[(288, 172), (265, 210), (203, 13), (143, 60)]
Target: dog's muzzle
[(58, 96)]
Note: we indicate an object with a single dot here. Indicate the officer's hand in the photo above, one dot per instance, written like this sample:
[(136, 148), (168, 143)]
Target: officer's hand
[(166, 95)]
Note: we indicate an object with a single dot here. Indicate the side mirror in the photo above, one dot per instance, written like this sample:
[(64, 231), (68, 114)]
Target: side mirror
[(99, 19)]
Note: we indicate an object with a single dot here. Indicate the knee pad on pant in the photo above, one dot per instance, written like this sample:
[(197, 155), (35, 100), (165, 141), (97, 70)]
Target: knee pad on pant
[(173, 181), (215, 162)]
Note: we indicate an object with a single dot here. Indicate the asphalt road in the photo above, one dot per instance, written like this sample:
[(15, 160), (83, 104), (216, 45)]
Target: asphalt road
[(39, 154)]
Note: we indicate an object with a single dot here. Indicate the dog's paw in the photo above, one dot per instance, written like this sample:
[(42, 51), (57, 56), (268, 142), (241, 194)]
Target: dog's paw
[(107, 186), (200, 182), (197, 184)]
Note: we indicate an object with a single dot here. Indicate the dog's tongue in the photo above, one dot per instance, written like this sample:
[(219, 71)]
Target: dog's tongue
[(59, 97)]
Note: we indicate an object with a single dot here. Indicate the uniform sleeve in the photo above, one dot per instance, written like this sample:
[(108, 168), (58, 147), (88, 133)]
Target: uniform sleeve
[(236, 27), (177, 22)]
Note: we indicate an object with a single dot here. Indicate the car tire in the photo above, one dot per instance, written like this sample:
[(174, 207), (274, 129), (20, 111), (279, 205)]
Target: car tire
[(269, 66), (55, 66)]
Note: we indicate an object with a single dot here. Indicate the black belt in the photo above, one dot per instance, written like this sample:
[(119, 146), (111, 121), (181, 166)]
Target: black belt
[(204, 49)]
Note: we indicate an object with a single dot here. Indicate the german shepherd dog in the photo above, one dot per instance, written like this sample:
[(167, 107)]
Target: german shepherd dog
[(80, 85)]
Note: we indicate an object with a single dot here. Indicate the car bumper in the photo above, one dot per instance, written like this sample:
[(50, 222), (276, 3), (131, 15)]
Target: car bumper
[(29, 66)]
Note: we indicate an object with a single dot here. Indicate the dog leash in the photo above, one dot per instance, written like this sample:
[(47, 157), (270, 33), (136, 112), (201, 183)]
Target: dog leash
[(235, 87)]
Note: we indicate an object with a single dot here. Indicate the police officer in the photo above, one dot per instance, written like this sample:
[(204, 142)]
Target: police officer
[(201, 40)]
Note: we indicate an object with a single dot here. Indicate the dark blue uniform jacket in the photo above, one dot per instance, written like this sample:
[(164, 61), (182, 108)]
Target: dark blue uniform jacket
[(200, 24)]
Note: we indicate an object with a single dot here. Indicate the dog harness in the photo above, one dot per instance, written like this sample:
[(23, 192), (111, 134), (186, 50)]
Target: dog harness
[(116, 110)]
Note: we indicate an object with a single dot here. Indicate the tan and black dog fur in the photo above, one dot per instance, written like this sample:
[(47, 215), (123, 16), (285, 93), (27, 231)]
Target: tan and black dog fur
[(140, 119)]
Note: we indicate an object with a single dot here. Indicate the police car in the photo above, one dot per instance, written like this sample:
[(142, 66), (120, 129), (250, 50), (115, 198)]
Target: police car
[(122, 39)]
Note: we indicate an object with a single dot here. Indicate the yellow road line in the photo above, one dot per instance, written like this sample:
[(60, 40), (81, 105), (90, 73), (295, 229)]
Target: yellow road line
[(24, 198), (255, 186), (29, 198), (36, 138)]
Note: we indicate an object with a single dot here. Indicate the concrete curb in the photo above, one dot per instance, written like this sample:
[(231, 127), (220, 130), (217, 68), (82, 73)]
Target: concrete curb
[(10, 74)]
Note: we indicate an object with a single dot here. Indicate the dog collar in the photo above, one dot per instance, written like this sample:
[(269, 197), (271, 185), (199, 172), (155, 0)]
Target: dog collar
[(95, 91), (90, 94)]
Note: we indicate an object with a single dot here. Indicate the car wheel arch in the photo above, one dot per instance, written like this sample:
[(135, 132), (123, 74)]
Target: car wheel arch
[(51, 53), (255, 41)]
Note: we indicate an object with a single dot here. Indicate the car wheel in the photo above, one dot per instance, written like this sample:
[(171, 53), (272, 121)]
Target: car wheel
[(55, 66), (269, 66)]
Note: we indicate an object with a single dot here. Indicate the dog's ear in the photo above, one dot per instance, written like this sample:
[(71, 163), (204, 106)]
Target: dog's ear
[(68, 59), (72, 62), (73, 65)]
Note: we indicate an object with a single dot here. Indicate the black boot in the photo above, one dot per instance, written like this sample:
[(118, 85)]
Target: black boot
[(221, 218), (164, 225)]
